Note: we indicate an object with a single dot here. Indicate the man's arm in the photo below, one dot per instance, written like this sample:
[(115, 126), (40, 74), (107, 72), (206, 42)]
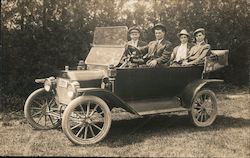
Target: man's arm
[(144, 49), (166, 55), (202, 55), (173, 54)]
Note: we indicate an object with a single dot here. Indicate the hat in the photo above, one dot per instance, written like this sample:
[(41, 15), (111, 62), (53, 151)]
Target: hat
[(199, 30), (159, 25), (183, 32), (134, 30)]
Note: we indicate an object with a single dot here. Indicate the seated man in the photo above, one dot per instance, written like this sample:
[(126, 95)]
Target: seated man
[(199, 51), (157, 52), (180, 52), (132, 46), (134, 34)]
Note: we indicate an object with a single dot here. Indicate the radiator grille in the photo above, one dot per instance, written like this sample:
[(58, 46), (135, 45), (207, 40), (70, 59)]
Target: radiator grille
[(62, 92)]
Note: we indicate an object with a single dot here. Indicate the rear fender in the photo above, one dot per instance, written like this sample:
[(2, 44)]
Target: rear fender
[(110, 98), (192, 88)]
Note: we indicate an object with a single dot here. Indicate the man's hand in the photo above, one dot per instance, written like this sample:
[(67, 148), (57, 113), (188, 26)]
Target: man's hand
[(152, 63), (185, 62)]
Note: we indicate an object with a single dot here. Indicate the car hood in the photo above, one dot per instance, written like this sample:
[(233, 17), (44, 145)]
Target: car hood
[(84, 75)]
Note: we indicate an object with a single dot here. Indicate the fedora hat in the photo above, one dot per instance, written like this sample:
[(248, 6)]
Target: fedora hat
[(199, 30), (134, 29), (159, 25), (183, 32)]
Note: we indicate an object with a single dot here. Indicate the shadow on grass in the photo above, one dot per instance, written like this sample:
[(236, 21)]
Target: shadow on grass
[(126, 132)]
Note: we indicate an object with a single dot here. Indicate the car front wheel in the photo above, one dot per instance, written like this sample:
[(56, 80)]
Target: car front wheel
[(41, 110), (204, 110), (86, 120)]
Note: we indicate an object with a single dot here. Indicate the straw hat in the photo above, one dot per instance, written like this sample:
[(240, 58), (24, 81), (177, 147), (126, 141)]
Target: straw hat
[(183, 32), (199, 30)]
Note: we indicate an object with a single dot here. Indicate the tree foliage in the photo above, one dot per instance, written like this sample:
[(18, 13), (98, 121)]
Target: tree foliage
[(39, 37)]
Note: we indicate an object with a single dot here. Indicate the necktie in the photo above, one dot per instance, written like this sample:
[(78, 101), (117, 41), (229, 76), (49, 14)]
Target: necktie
[(156, 46)]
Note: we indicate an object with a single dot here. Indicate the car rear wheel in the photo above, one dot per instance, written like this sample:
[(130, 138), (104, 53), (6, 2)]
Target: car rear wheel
[(204, 108), (86, 120), (41, 110)]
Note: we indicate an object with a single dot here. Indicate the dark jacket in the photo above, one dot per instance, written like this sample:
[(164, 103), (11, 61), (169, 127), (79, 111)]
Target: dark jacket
[(160, 52), (139, 44)]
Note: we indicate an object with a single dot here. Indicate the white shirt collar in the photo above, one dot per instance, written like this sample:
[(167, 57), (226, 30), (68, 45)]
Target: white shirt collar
[(185, 44), (159, 41), (135, 41)]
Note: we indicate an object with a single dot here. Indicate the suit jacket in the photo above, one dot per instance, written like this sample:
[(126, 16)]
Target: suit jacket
[(160, 52), (139, 44), (173, 55), (198, 52)]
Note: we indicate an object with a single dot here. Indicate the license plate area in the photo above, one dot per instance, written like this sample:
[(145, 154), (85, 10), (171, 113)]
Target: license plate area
[(62, 83)]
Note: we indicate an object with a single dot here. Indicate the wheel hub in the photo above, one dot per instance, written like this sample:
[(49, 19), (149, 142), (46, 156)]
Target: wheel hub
[(45, 110), (87, 121)]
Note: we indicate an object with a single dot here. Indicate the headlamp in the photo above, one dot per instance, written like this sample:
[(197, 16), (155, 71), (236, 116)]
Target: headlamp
[(72, 89), (49, 83)]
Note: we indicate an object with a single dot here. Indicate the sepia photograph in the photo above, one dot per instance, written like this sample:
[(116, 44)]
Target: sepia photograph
[(125, 78)]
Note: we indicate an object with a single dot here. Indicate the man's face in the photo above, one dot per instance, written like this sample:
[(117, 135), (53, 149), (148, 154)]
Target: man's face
[(199, 37), (183, 39), (159, 34), (134, 35)]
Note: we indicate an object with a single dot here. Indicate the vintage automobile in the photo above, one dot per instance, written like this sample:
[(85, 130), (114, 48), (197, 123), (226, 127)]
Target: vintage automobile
[(81, 99)]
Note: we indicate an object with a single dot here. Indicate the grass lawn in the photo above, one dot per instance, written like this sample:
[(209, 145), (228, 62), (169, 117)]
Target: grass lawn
[(156, 136)]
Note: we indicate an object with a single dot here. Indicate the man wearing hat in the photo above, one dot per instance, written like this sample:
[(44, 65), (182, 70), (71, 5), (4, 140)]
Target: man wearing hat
[(180, 52), (200, 50), (134, 34), (135, 42), (157, 52)]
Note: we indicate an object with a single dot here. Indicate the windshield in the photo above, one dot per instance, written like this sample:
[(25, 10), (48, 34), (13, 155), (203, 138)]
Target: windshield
[(104, 56), (113, 36), (108, 46)]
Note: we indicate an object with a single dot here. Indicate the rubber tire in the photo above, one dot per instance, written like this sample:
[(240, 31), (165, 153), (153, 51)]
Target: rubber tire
[(73, 104), (210, 120), (28, 116)]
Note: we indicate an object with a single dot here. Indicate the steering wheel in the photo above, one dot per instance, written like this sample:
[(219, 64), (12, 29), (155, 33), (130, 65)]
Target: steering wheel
[(133, 50), (130, 53)]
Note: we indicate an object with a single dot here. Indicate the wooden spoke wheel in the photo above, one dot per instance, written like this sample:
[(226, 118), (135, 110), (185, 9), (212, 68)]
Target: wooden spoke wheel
[(204, 108), (41, 110), (86, 120)]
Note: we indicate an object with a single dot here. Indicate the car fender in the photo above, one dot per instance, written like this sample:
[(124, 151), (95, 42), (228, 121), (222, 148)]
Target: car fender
[(110, 98), (192, 88)]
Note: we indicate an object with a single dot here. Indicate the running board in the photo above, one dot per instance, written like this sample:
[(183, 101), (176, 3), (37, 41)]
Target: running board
[(180, 109), (156, 105)]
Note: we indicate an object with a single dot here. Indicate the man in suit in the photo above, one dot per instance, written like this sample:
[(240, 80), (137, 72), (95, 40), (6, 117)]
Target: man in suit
[(199, 51), (134, 34), (134, 43), (157, 52), (180, 52)]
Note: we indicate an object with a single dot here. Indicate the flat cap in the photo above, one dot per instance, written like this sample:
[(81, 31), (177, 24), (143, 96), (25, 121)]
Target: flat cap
[(134, 29), (159, 25)]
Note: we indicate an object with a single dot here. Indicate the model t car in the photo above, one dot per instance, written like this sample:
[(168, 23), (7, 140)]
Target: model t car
[(81, 99)]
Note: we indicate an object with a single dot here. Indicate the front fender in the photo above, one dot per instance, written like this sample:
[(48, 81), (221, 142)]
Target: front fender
[(40, 80), (110, 98), (191, 89)]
